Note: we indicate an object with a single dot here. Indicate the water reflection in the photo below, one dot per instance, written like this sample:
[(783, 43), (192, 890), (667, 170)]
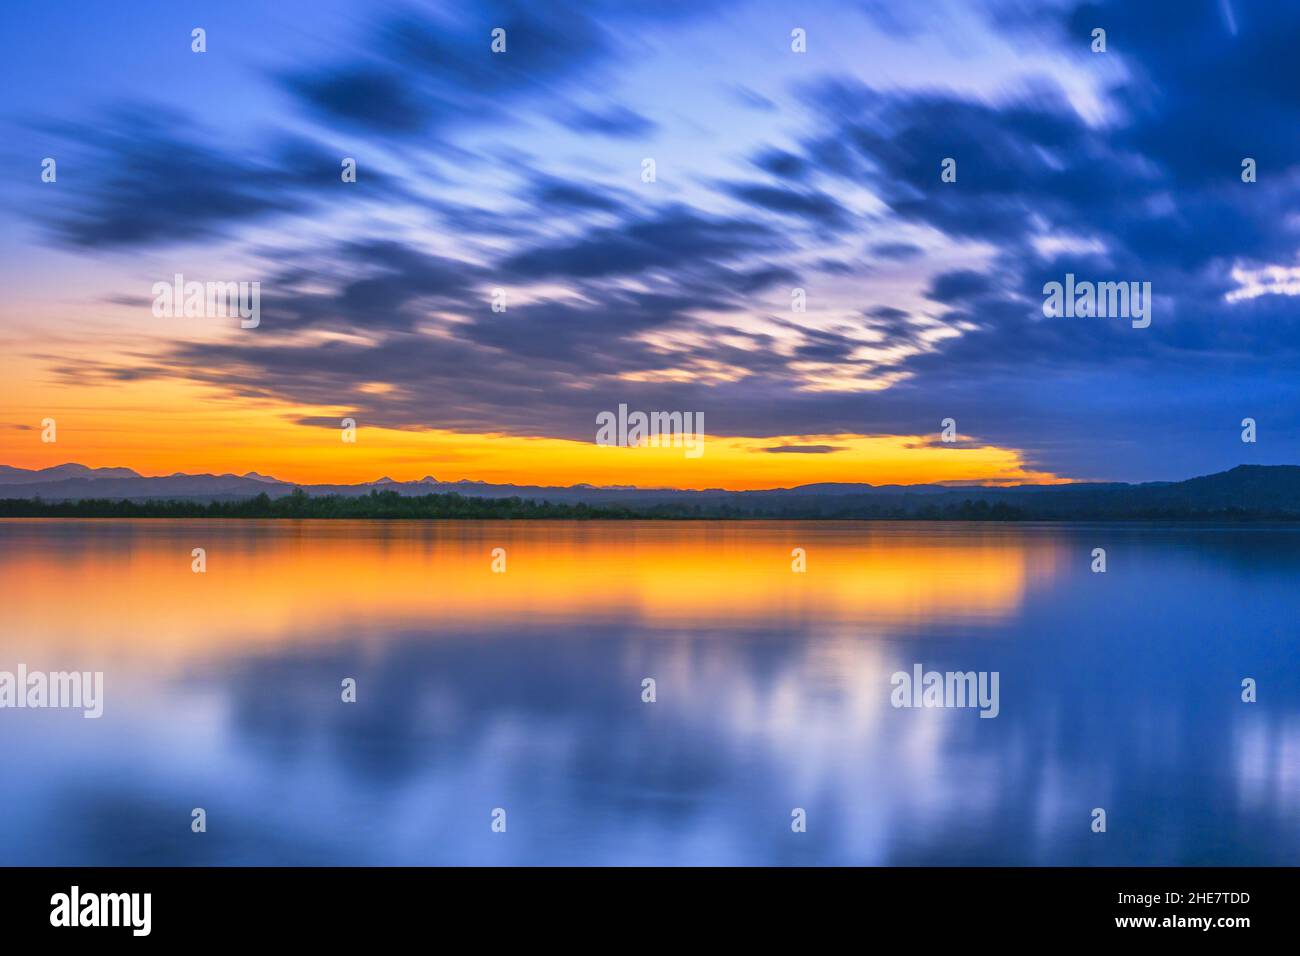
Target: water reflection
[(522, 690)]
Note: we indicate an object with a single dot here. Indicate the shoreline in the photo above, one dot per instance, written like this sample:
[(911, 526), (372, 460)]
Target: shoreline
[(511, 509)]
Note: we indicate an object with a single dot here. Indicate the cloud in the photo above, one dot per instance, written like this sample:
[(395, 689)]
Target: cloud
[(962, 284), (151, 178), (616, 121), (666, 297), (676, 237), (817, 208), (427, 71), (371, 97), (782, 163), (803, 449), (552, 195), (899, 251)]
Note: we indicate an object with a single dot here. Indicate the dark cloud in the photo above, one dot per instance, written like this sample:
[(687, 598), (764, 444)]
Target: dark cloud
[(899, 251), (782, 163), (817, 208), (553, 195), (765, 277), (146, 177), (618, 122), (426, 71), (804, 449), (951, 287), (675, 238), (370, 97)]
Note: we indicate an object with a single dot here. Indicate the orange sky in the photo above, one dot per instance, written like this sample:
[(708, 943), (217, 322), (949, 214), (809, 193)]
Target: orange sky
[(159, 427)]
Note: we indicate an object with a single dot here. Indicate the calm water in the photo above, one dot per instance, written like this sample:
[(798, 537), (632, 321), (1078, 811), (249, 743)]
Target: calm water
[(522, 690)]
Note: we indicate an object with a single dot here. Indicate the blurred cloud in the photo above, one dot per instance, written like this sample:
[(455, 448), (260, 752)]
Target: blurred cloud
[(925, 296)]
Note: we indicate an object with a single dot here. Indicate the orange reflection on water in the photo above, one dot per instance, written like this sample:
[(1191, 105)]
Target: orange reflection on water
[(126, 587)]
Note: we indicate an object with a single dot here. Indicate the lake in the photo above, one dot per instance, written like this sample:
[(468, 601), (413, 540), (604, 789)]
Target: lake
[(521, 690)]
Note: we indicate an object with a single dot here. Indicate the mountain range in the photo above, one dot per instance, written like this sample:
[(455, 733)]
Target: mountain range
[(1244, 491)]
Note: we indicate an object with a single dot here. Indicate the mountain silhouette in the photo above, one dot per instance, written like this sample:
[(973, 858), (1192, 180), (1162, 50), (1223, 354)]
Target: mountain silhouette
[(1247, 491)]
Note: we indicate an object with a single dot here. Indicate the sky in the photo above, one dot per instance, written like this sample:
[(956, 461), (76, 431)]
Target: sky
[(518, 177)]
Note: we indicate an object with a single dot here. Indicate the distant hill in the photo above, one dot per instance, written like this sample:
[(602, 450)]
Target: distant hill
[(22, 476), (1245, 492)]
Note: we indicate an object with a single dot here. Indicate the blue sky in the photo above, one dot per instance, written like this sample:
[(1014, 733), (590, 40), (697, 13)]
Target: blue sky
[(775, 170)]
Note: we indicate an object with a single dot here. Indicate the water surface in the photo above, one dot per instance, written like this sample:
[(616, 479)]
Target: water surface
[(522, 690)]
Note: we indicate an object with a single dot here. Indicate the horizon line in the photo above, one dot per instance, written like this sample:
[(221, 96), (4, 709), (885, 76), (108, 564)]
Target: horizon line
[(253, 475)]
